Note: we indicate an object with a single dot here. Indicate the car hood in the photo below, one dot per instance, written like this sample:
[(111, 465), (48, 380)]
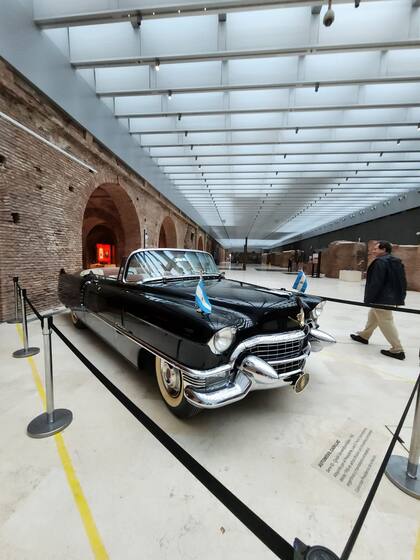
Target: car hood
[(237, 303)]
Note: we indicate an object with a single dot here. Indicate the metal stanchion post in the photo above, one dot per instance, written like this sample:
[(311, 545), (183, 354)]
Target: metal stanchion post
[(53, 420), (17, 296), (405, 473), (305, 552), (25, 352)]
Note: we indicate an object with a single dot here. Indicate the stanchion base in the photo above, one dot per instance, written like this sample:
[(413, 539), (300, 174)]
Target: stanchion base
[(396, 471), (39, 427), (14, 321), (22, 353)]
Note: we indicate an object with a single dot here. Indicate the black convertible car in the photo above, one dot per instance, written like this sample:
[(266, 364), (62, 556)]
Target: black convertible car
[(253, 337)]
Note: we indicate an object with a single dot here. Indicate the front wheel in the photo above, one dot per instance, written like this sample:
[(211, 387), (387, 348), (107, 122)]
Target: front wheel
[(171, 387)]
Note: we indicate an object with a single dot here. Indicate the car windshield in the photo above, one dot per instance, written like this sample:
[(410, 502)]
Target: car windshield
[(166, 263)]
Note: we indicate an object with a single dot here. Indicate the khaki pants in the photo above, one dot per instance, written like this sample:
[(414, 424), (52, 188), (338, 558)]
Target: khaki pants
[(383, 319)]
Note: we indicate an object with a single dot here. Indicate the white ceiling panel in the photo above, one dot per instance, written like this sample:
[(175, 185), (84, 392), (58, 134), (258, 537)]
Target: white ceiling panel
[(269, 123)]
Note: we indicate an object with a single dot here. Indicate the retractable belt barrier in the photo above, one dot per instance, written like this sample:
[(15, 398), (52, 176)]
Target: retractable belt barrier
[(255, 524), (268, 536), (373, 305)]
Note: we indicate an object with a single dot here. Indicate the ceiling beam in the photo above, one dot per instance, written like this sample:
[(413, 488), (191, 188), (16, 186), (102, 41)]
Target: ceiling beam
[(280, 163), (260, 110), (50, 17), (362, 80), (111, 62), (299, 128), (279, 143)]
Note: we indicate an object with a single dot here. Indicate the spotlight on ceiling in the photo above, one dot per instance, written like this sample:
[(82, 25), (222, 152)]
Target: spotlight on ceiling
[(398, 141), (316, 87), (329, 15), (418, 126), (170, 94), (356, 3), (296, 130), (179, 116), (157, 65)]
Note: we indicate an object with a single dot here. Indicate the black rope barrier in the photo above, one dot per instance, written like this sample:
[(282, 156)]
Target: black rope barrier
[(275, 542), (272, 540), (373, 305), (34, 309), (364, 511)]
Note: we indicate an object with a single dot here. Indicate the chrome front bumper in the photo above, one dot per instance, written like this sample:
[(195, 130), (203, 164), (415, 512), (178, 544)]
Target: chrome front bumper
[(253, 373)]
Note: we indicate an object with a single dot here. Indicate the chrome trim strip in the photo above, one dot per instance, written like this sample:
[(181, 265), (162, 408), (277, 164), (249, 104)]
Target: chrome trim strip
[(303, 356), (320, 339), (221, 397), (266, 339)]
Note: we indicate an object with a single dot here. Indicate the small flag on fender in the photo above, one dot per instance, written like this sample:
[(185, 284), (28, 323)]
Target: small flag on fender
[(300, 283), (201, 299)]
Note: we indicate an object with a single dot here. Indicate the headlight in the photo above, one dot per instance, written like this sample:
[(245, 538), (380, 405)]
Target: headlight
[(316, 311), (221, 341)]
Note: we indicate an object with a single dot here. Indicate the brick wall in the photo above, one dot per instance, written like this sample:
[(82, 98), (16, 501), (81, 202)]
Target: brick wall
[(44, 195)]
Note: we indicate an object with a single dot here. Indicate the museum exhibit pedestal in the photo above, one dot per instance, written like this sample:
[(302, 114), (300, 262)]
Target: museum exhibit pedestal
[(350, 275)]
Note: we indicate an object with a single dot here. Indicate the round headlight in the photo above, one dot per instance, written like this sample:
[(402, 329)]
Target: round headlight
[(318, 309), (221, 340)]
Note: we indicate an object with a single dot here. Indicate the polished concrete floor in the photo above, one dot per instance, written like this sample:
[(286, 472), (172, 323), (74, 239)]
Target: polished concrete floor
[(105, 488)]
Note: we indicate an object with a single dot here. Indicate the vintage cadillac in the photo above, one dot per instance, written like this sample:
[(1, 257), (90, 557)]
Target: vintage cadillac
[(253, 338)]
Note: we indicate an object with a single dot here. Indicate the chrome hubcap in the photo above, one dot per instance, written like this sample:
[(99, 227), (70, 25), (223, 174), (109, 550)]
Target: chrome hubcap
[(171, 377)]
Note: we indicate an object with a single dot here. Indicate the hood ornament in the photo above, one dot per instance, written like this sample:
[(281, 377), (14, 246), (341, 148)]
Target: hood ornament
[(301, 317)]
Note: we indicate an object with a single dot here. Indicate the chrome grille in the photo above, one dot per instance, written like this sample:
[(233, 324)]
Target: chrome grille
[(288, 367), (194, 381), (279, 350)]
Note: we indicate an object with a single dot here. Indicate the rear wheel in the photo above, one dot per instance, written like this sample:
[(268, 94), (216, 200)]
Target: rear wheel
[(76, 321), (171, 387)]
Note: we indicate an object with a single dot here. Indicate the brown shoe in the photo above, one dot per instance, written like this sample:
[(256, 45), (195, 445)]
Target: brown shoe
[(396, 355), (358, 338)]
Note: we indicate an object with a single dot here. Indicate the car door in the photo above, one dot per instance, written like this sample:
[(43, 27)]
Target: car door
[(102, 298)]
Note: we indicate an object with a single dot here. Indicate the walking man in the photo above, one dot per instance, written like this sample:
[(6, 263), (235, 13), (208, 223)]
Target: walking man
[(385, 285)]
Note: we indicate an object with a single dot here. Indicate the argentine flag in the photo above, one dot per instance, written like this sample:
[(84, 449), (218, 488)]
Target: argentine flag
[(300, 283), (201, 299)]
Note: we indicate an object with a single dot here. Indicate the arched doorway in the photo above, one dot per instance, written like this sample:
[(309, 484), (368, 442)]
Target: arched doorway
[(200, 245), (167, 234), (111, 228)]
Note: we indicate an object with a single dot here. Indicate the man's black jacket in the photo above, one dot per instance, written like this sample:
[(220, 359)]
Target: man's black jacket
[(385, 281)]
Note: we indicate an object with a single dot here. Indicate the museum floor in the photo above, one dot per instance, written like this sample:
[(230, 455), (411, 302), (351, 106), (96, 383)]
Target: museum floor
[(106, 488)]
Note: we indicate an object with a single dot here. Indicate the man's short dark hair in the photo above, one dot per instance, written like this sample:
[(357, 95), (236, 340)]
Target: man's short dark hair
[(385, 245)]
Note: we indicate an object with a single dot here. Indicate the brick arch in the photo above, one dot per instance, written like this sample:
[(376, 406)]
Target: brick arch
[(200, 244), (109, 208), (167, 234)]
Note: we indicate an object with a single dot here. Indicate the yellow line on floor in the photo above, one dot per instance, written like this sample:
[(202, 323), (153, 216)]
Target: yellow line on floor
[(416, 555), (92, 533)]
